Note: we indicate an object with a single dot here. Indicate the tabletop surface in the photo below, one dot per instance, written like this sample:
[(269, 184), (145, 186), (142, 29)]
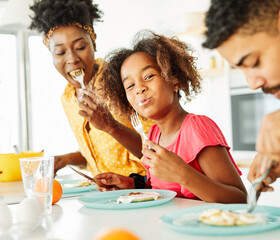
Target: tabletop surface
[(71, 220)]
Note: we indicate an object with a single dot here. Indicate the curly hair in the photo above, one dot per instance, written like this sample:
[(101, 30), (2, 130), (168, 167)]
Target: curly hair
[(247, 17), (172, 57), (53, 13)]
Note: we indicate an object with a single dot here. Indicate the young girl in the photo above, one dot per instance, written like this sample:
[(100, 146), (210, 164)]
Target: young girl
[(186, 153)]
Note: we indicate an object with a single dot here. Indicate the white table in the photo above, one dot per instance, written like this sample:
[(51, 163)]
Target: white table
[(71, 221)]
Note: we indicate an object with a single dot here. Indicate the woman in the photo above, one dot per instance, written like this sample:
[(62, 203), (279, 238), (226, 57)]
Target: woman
[(67, 27)]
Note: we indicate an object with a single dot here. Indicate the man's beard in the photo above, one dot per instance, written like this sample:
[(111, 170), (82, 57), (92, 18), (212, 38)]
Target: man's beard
[(271, 90)]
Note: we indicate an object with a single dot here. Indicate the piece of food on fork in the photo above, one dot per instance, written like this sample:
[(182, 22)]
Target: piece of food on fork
[(78, 75), (77, 72)]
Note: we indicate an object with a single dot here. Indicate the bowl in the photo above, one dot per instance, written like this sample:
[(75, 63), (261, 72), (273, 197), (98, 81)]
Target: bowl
[(10, 166)]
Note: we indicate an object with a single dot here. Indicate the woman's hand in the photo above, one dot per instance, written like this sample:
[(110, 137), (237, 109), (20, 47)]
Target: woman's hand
[(259, 166), (96, 111), (112, 181), (98, 114), (163, 164)]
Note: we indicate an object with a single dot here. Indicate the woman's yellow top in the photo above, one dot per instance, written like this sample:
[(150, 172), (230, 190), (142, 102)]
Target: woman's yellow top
[(101, 151)]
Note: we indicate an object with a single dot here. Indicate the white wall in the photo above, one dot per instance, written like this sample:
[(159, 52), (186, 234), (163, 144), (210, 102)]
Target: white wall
[(121, 20)]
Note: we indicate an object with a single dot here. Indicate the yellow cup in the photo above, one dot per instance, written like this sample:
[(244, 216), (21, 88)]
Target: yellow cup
[(10, 166)]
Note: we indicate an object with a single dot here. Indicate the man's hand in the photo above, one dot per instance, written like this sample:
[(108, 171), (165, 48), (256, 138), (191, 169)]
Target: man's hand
[(269, 137), (259, 166)]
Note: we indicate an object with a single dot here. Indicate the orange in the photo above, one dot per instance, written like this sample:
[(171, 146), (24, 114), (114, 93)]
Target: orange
[(57, 191), (116, 234), (41, 186)]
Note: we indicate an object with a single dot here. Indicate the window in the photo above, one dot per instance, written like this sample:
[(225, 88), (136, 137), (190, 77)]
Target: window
[(9, 96), (50, 129)]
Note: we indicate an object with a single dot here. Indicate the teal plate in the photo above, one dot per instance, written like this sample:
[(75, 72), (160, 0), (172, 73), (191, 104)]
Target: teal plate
[(73, 190), (193, 226), (108, 200)]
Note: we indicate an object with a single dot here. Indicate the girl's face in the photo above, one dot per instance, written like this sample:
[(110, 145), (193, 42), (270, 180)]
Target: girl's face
[(72, 49), (146, 90)]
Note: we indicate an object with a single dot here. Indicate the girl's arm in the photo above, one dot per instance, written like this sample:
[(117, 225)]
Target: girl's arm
[(221, 182), (112, 181)]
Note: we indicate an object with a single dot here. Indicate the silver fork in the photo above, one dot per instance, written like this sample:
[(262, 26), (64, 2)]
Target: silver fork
[(137, 125), (253, 194)]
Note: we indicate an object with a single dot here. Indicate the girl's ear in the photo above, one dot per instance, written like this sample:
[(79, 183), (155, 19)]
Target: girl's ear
[(176, 87)]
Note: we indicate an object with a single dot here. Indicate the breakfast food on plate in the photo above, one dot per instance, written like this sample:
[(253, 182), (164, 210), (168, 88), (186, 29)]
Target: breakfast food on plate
[(83, 183), (138, 197), (221, 217)]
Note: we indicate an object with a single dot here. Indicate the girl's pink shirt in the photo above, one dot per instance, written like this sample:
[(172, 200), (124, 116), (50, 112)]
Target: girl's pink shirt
[(196, 133)]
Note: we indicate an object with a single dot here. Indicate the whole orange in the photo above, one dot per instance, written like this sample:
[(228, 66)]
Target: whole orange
[(41, 186), (115, 234), (57, 191)]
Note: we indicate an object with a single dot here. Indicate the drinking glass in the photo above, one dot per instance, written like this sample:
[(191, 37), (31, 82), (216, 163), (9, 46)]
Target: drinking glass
[(37, 177)]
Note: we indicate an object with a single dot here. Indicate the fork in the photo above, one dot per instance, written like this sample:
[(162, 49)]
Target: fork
[(137, 125), (84, 175), (253, 195)]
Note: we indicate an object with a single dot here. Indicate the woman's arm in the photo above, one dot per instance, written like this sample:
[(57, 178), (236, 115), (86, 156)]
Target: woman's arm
[(75, 158), (221, 182)]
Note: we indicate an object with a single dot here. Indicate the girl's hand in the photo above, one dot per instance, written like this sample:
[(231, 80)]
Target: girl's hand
[(96, 111), (112, 181), (163, 164)]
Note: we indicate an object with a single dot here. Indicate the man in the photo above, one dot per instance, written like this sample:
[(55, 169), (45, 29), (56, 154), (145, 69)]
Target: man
[(247, 34)]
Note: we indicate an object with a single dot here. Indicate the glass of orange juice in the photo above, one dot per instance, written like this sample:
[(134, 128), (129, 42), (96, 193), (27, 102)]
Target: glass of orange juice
[(37, 177)]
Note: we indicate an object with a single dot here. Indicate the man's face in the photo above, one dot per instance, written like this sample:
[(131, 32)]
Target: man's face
[(258, 56)]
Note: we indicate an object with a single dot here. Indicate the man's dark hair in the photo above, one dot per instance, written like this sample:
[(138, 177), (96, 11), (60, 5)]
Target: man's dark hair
[(53, 13), (227, 17)]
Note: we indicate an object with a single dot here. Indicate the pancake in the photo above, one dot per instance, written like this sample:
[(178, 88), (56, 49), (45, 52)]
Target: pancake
[(138, 197)]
